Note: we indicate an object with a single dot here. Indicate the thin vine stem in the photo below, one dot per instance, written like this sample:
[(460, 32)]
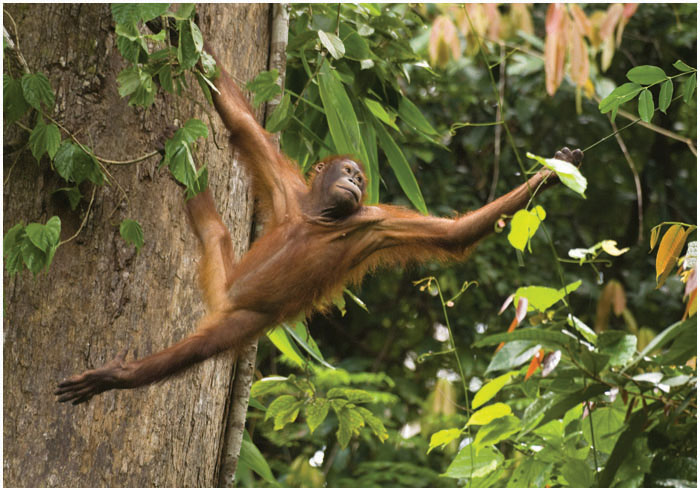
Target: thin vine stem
[(82, 225), (461, 372), (511, 142)]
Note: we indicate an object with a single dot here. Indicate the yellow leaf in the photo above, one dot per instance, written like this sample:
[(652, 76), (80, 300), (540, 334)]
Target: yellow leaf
[(610, 246), (654, 237), (612, 297), (669, 249), (691, 307), (489, 413)]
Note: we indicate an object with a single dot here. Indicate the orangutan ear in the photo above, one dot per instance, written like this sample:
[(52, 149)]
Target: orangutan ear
[(318, 167)]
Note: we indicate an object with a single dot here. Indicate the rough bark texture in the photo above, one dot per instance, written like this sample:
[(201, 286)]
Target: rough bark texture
[(99, 296)]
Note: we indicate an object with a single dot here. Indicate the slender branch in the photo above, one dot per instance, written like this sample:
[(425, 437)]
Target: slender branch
[(637, 183), (661, 131), (245, 364), (499, 128)]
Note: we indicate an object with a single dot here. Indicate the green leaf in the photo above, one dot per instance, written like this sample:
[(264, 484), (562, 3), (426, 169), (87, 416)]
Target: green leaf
[(300, 333), (124, 13), (369, 137), (279, 338), (646, 74), (189, 46), (165, 78), (130, 50), (192, 129), (197, 38), (44, 237), (316, 412), (443, 437), (489, 413), (251, 456), (539, 297), (44, 138), (73, 195), (689, 87), (284, 410), (129, 80), (561, 404), (356, 396), (148, 11), (512, 355), (568, 174), (632, 430), (524, 225), (34, 258), (625, 92), (349, 423), (37, 90), (608, 422), (585, 331), (333, 44), (410, 113), (379, 112), (356, 48), (489, 390), (665, 95), (137, 84), (264, 86), (374, 423), (646, 105), (620, 346), (679, 65), (340, 114), (12, 250), (75, 165), (402, 169), (131, 232), (471, 462), (13, 106), (281, 116), (664, 337), (537, 334), (184, 11), (578, 473), (497, 430)]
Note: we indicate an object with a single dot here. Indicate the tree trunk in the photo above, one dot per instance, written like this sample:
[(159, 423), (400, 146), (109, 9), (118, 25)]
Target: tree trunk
[(99, 296)]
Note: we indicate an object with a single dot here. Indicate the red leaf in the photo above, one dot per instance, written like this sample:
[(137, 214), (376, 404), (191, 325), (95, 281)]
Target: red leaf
[(534, 364), (555, 46)]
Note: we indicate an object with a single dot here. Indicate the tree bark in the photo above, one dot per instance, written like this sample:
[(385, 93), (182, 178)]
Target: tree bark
[(99, 295)]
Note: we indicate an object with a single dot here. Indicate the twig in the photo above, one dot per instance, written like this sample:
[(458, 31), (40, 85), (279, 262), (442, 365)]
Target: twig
[(499, 128), (82, 225), (245, 364), (661, 131), (637, 183)]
